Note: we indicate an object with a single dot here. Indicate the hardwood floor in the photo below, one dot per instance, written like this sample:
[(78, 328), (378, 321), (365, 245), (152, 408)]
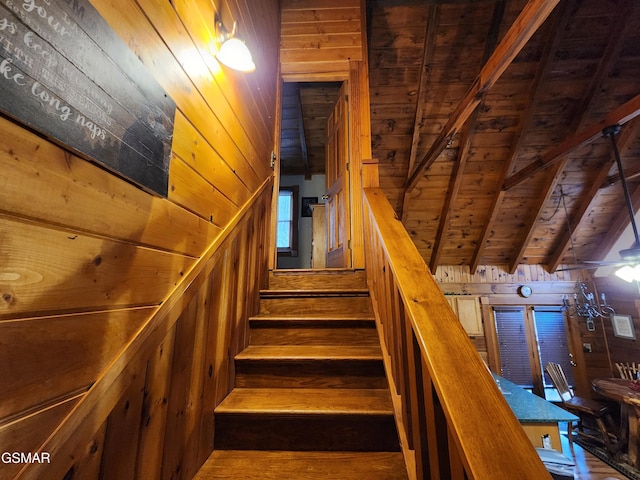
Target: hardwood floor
[(589, 467)]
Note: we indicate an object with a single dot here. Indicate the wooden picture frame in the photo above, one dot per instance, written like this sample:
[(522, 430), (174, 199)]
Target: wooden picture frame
[(623, 326)]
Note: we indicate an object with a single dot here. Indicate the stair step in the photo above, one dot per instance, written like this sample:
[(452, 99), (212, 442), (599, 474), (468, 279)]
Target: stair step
[(326, 292), (304, 366), (318, 401), (313, 331), (282, 419), (289, 353), (317, 279), (263, 465), (317, 306), (342, 320)]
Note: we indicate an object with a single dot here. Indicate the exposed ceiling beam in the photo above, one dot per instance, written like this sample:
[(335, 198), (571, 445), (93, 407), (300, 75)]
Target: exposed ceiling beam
[(557, 25), (630, 174), (427, 57), (581, 111), (620, 115), (532, 16), (626, 137), (303, 138), (465, 145)]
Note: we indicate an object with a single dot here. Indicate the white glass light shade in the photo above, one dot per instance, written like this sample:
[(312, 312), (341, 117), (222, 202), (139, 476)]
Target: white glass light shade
[(628, 273), (235, 54)]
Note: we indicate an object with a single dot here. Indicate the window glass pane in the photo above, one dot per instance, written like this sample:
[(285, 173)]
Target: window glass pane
[(553, 343), (283, 235), (514, 351), (284, 206), (285, 219)]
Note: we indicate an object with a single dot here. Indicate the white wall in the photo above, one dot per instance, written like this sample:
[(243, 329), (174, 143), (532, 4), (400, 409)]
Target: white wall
[(308, 188)]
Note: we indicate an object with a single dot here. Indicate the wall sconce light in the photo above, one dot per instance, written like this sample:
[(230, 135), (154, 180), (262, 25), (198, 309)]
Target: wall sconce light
[(232, 51)]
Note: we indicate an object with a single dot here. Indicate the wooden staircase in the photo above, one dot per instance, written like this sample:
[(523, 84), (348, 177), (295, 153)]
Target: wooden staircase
[(311, 400)]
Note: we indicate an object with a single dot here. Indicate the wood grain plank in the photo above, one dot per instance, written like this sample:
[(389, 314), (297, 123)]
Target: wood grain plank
[(178, 408), (72, 269), (154, 409), (307, 400), (194, 150), (21, 435), (192, 191), (44, 359), (76, 190), (257, 465), (195, 407), (301, 352), (119, 457)]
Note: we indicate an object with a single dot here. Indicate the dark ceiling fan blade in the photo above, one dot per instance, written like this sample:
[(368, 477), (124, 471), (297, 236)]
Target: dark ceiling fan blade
[(592, 266), (578, 267)]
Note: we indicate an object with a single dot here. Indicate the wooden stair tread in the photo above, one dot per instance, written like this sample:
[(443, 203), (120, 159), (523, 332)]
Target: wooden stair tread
[(315, 278), (329, 317), (316, 292), (310, 352), (278, 465), (319, 401)]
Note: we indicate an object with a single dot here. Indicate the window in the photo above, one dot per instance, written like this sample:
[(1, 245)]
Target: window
[(527, 340), (552, 341), (287, 232), (512, 343)]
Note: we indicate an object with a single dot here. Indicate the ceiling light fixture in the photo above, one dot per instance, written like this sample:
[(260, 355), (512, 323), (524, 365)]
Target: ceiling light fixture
[(630, 272), (232, 51)]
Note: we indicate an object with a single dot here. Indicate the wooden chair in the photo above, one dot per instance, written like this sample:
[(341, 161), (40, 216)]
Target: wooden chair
[(628, 370), (591, 412)]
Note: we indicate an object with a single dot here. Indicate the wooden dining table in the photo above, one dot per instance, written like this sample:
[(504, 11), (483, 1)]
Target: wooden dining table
[(619, 389)]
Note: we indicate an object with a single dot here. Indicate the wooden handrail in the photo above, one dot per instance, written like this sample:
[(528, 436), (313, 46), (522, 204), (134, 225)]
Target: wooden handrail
[(450, 411)]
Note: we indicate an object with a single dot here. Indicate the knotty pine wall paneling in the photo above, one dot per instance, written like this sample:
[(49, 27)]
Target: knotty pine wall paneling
[(96, 273), (154, 409), (625, 299), (320, 37)]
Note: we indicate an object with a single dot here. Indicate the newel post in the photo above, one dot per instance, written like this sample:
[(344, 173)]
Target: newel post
[(370, 176)]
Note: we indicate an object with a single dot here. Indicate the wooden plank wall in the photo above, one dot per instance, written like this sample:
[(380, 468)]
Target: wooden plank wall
[(320, 37), (119, 310), (623, 297)]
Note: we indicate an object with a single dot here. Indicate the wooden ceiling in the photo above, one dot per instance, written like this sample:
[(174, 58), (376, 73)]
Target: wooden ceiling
[(305, 110), (484, 144)]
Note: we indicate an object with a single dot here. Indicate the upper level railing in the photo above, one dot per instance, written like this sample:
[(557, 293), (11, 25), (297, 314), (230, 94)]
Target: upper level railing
[(453, 421)]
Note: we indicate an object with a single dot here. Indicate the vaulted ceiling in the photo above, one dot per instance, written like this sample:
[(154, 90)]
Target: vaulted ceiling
[(493, 160)]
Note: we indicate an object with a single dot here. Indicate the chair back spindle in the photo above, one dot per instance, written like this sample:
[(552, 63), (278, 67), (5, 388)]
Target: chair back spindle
[(628, 370)]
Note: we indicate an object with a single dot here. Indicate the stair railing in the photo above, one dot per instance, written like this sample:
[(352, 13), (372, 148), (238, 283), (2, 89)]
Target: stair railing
[(452, 419), (151, 410)]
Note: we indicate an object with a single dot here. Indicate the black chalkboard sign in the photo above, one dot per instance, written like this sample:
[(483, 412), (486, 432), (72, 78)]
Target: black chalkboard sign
[(66, 74)]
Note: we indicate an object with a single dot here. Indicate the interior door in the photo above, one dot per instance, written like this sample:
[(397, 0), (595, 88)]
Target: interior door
[(337, 194)]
